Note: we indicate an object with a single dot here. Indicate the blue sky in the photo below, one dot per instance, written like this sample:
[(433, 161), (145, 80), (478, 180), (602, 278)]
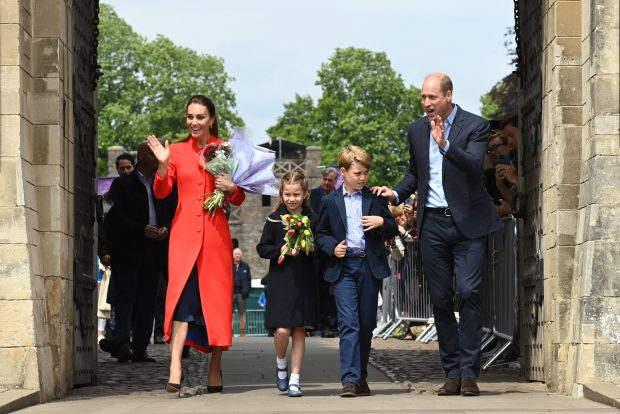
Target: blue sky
[(273, 48)]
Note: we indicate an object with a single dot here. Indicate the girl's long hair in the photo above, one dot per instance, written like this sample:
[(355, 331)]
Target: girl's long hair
[(294, 177)]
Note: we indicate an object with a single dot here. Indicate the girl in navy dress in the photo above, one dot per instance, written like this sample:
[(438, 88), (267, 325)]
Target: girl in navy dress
[(292, 288)]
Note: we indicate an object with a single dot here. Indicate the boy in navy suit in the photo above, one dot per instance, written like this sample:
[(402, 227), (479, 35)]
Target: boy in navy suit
[(353, 225)]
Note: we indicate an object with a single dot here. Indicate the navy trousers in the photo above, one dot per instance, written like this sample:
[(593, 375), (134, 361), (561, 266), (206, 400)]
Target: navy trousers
[(356, 294), (134, 304), (447, 254)]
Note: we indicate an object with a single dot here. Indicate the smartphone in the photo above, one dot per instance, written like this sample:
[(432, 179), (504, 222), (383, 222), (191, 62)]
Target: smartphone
[(409, 201), (504, 159)]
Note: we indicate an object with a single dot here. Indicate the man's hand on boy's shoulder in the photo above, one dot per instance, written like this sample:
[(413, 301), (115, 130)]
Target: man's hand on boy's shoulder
[(371, 222), (383, 191)]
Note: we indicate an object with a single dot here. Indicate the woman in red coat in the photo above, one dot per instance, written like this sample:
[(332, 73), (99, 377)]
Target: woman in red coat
[(199, 297)]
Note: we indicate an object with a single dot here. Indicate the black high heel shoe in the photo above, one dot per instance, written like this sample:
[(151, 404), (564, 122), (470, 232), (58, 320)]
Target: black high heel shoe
[(172, 387), (216, 388)]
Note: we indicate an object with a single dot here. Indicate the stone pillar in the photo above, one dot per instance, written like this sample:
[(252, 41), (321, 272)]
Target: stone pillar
[(581, 160), (595, 333), (113, 152), (36, 154), (313, 161), (562, 100)]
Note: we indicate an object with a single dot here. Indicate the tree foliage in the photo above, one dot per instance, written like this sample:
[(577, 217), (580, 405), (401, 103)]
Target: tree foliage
[(364, 102), (146, 84), (501, 102)]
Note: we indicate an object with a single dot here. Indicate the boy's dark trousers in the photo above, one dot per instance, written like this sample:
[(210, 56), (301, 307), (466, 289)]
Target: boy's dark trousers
[(356, 294)]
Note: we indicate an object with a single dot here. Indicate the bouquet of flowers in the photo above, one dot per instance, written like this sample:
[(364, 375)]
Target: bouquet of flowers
[(218, 160), (249, 166), (297, 236)]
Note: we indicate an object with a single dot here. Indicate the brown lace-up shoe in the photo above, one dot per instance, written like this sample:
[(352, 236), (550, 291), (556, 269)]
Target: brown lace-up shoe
[(349, 390), (469, 387), (451, 387)]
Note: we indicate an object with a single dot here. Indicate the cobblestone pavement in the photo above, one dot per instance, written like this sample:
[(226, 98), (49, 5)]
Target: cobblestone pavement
[(416, 366), (114, 378), (413, 365), (249, 369)]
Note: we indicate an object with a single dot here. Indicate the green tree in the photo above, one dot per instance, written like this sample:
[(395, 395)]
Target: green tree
[(145, 85), (364, 102), (501, 101)]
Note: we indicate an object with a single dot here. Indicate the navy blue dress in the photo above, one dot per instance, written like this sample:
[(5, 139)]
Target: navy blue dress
[(189, 310), (292, 299)]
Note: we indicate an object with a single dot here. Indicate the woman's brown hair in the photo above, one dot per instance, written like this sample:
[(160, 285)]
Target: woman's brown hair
[(208, 103)]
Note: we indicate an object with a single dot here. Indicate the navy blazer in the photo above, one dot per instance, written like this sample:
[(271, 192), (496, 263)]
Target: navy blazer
[(129, 215), (332, 229), (471, 206)]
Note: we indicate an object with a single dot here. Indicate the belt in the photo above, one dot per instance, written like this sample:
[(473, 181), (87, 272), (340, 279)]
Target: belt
[(445, 211), (355, 253)]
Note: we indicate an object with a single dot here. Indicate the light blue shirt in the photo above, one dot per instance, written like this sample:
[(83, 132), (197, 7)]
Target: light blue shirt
[(148, 183), (355, 230), (436, 196)]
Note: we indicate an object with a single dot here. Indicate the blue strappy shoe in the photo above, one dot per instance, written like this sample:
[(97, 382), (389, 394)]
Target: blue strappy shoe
[(282, 384)]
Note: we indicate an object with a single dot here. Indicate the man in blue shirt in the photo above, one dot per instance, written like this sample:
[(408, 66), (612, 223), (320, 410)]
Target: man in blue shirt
[(455, 214)]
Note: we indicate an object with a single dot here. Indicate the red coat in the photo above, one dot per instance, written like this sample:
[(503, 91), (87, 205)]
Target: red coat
[(198, 238)]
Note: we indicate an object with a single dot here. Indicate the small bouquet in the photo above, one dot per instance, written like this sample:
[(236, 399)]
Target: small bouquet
[(297, 236), (218, 160), (249, 166)]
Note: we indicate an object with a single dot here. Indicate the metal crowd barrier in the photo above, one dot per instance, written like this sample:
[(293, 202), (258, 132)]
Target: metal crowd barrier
[(254, 322), (500, 306), (406, 296)]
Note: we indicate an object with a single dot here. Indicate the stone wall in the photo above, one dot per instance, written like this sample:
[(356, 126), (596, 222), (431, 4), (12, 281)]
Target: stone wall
[(36, 150), (594, 353), (580, 193)]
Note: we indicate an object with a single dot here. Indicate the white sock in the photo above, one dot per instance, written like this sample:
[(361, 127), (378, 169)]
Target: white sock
[(295, 378), (281, 363)]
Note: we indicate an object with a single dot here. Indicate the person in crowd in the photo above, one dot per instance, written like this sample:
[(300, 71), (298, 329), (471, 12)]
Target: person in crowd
[(124, 166), (200, 285), (328, 319), (497, 148), (136, 229), (330, 175), (353, 224), (411, 216), (242, 280), (510, 129), (397, 243), (396, 251), (506, 174), (455, 214), (292, 293)]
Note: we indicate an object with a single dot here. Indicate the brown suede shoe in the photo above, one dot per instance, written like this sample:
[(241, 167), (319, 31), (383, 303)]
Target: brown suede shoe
[(451, 387), (469, 388), (349, 390), (363, 390)]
